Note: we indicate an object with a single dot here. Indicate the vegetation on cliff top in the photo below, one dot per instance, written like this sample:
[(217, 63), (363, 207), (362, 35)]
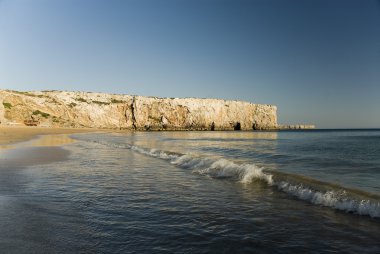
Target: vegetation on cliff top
[(81, 99), (117, 101), (7, 105), (101, 102)]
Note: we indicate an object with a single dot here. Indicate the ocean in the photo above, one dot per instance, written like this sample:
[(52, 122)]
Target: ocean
[(314, 191)]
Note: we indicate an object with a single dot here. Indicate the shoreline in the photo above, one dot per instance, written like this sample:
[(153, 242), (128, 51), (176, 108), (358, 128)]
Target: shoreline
[(17, 134), (24, 146)]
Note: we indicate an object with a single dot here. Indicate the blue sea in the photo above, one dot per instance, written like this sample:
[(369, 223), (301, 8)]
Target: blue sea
[(314, 191)]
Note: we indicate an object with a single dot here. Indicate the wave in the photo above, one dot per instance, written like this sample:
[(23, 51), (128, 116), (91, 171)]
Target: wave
[(222, 168), (339, 200), (301, 187)]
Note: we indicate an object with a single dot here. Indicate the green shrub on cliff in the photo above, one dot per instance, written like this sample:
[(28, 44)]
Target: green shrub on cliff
[(117, 101), (80, 99), (43, 114), (7, 105), (73, 104), (29, 94), (56, 119), (101, 102)]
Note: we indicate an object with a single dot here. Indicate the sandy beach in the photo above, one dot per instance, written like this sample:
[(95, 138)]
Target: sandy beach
[(11, 135), (23, 146)]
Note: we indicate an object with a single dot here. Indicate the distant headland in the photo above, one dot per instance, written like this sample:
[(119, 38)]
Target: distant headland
[(129, 112)]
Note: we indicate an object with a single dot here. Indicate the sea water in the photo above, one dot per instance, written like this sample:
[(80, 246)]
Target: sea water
[(199, 192)]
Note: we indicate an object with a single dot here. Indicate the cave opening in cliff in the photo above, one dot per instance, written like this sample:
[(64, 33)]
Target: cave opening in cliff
[(212, 126), (237, 126)]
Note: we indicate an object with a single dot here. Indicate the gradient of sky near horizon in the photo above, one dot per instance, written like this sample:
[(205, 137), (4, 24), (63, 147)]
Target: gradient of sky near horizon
[(318, 61)]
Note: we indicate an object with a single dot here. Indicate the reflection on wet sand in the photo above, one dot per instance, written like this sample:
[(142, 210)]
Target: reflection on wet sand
[(44, 149), (43, 140), (218, 135), (52, 140)]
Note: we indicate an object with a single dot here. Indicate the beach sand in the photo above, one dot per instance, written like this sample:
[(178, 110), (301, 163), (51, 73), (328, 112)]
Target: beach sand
[(11, 135), (23, 146)]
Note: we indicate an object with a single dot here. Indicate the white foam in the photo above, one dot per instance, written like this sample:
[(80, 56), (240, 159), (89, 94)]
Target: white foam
[(337, 200), (213, 167), (247, 173)]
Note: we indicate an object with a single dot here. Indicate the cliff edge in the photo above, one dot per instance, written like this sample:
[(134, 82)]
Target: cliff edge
[(111, 111)]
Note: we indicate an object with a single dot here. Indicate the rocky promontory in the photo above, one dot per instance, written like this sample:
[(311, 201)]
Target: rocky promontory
[(114, 111), (296, 127)]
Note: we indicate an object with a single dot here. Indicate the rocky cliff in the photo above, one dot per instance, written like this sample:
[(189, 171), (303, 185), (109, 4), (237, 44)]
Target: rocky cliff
[(100, 110)]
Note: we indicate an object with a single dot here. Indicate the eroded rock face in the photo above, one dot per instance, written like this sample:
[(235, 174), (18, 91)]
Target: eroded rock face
[(202, 114), (99, 110)]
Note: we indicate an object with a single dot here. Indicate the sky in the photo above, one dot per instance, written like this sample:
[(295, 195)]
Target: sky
[(318, 61)]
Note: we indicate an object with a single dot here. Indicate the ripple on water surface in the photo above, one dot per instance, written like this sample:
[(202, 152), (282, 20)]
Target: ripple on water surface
[(110, 198)]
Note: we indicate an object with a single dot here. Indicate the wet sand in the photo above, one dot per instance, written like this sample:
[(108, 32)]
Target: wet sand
[(10, 135), (24, 146), (27, 156)]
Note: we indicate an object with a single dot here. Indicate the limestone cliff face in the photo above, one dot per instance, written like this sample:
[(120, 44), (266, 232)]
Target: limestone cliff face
[(202, 114), (99, 110)]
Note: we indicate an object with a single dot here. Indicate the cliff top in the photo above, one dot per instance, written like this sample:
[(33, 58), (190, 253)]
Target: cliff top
[(101, 94)]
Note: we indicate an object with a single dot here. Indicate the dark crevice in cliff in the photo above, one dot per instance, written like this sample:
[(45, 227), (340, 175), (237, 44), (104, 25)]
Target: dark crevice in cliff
[(125, 108), (237, 126), (133, 105), (212, 127)]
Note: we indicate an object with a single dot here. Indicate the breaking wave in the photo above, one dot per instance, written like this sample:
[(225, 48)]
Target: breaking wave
[(300, 187), (337, 199)]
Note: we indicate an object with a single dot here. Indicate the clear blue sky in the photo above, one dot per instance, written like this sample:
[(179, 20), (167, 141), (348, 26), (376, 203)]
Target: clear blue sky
[(318, 61)]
